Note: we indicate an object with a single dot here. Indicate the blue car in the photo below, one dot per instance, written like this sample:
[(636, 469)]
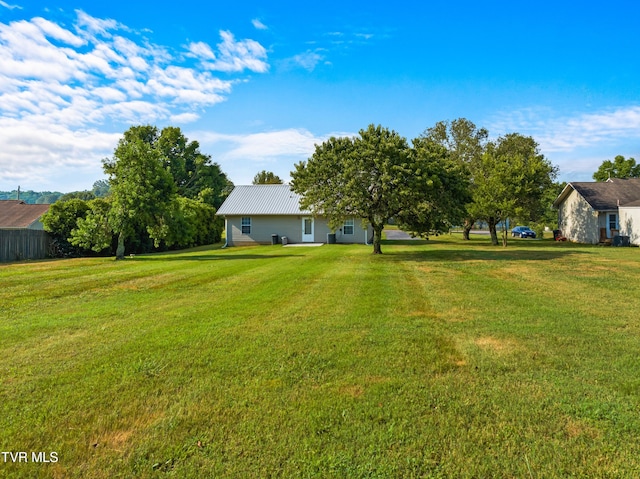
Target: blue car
[(522, 232)]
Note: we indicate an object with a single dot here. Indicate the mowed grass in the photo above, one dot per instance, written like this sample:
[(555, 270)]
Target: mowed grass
[(440, 358)]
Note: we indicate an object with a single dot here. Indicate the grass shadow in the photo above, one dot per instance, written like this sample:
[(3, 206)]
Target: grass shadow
[(486, 253), (208, 257)]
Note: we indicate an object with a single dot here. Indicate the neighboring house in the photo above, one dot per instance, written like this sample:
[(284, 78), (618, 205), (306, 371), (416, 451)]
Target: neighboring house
[(254, 214), (630, 221), (22, 235), (595, 212)]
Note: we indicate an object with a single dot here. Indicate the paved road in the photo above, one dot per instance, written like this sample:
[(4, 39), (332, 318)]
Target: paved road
[(398, 235)]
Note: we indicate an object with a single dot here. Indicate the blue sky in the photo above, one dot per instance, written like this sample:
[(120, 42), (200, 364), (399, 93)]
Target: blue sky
[(259, 83)]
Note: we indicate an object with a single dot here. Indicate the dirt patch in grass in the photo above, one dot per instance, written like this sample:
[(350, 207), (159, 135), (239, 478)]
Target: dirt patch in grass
[(354, 391), (495, 345), (377, 379), (576, 428), (119, 439), (458, 314), (147, 282)]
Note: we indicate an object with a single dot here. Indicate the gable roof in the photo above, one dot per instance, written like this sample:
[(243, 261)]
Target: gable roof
[(18, 214), (262, 200), (633, 204), (604, 195)]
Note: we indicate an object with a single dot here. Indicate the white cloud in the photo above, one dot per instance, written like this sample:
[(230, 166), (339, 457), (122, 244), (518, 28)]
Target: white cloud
[(236, 56), (307, 60), (51, 30), (184, 118), (89, 25), (59, 85), (565, 133), (576, 143), (10, 7), (37, 154), (242, 156), (258, 25), (201, 50)]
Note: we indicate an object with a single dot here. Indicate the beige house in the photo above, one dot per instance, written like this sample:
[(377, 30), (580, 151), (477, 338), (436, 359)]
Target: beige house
[(630, 221), (268, 214), (596, 212)]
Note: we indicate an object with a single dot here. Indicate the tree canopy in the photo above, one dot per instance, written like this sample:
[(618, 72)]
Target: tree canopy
[(161, 192), (465, 144), (266, 178), (510, 181), (618, 168), (162, 185), (194, 174), (142, 189), (374, 176)]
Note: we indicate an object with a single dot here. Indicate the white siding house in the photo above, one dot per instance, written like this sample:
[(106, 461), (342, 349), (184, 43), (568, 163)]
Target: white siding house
[(255, 213), (592, 212), (630, 222)]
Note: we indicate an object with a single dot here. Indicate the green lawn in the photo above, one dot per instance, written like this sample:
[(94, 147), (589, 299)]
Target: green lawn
[(440, 358)]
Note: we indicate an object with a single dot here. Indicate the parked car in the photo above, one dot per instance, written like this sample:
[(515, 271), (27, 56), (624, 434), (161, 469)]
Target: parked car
[(522, 232)]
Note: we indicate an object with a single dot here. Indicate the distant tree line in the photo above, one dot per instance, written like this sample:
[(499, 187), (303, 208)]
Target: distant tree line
[(32, 197), (265, 177), (161, 193), (100, 189), (620, 167)]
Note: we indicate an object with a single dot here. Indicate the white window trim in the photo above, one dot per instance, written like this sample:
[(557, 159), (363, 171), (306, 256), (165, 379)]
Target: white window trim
[(243, 225), (349, 223)]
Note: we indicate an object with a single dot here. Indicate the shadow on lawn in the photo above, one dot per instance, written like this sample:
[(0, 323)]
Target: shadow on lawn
[(496, 253), (206, 257)]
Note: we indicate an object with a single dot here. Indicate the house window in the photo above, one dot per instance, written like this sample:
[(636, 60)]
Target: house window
[(348, 227), (613, 221), (246, 225)]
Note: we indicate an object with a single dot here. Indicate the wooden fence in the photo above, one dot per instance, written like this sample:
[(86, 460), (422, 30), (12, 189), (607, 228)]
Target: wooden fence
[(18, 245)]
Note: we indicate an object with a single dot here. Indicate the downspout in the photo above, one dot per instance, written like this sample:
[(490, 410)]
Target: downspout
[(366, 236), (226, 234)]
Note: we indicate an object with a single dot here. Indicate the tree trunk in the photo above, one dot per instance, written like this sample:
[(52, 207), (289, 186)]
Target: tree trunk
[(120, 248), (504, 233), (377, 238), (492, 231), (466, 227)]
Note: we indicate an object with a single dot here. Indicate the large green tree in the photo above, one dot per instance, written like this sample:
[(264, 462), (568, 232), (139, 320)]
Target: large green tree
[(61, 219), (374, 176), (93, 231), (510, 183), (465, 143), (618, 168), (195, 175), (442, 184), (142, 188)]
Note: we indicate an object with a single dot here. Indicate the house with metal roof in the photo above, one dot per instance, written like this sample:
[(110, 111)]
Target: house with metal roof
[(22, 234), (270, 214), (596, 212)]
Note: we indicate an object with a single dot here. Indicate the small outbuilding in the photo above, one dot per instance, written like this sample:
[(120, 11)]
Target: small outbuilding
[(268, 214), (22, 234)]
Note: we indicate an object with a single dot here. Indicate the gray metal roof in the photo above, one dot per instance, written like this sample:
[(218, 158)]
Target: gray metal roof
[(604, 195), (262, 200)]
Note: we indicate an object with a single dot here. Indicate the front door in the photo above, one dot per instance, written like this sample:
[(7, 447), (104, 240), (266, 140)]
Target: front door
[(307, 230), (612, 224)]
